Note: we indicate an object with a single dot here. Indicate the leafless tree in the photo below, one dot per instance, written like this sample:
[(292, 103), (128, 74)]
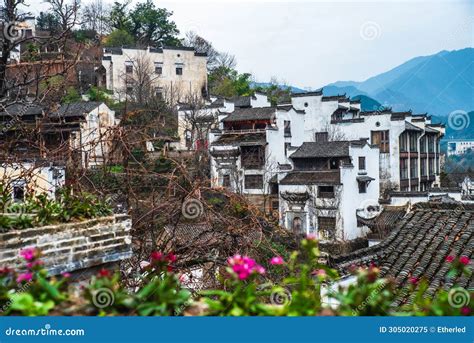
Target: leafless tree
[(94, 16)]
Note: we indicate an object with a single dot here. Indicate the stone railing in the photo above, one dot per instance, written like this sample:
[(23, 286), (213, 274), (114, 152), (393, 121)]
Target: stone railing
[(69, 247)]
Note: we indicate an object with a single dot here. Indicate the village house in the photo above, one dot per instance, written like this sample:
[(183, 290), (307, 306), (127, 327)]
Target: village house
[(77, 132), (197, 117), (173, 73), (409, 144), (329, 184), (94, 139), (287, 160), (458, 147)]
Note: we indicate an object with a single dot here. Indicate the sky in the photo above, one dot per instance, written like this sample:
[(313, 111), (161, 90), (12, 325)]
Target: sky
[(309, 44)]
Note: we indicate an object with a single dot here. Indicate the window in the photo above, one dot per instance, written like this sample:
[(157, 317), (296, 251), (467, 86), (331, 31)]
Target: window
[(226, 181), (431, 166), (158, 68), (404, 168), (297, 225), (128, 67), (423, 167), (430, 143), (19, 190), (361, 163), (423, 144), (159, 93), (327, 227), (321, 137), (403, 142), (413, 168), (253, 181), (252, 157), (179, 70), (382, 139), (188, 137), (287, 128), (413, 142), (326, 192), (287, 146), (362, 187)]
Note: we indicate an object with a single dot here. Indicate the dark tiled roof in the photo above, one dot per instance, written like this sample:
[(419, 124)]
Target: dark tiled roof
[(261, 113), (257, 138), (385, 222), (322, 149), (241, 101), (200, 235), (340, 97), (418, 247), (323, 177), (318, 92), (289, 108), (21, 110), (76, 109)]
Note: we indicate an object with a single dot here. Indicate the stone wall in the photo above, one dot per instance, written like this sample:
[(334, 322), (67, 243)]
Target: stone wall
[(71, 246)]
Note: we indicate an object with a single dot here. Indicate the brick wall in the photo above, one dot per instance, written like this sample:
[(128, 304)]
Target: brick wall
[(72, 246)]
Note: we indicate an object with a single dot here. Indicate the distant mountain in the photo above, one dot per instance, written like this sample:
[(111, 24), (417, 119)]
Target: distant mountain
[(367, 103), (438, 84)]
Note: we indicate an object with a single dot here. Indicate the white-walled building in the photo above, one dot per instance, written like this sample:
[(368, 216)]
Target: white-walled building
[(460, 146), (409, 143), (195, 120), (93, 139), (330, 182), (320, 162), (175, 74)]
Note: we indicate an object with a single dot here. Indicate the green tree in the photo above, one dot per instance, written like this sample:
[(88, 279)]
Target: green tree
[(119, 38), (48, 22), (152, 25), (119, 18)]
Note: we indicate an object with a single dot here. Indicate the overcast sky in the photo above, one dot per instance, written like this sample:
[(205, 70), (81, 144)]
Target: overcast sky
[(313, 43)]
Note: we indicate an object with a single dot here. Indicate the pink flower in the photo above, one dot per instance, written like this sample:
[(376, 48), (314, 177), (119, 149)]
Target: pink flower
[(464, 260), (171, 257), (311, 237), (244, 266), (319, 272), (66, 275), (450, 259), (413, 281), (24, 277), (156, 256), (277, 260), (28, 254), (465, 311)]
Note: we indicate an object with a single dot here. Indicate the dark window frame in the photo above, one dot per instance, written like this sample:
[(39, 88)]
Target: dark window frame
[(253, 181)]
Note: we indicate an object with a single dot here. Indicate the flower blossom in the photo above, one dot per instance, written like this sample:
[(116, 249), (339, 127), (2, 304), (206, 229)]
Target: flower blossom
[(464, 260), (277, 260), (28, 254), (244, 266), (450, 259), (24, 277)]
